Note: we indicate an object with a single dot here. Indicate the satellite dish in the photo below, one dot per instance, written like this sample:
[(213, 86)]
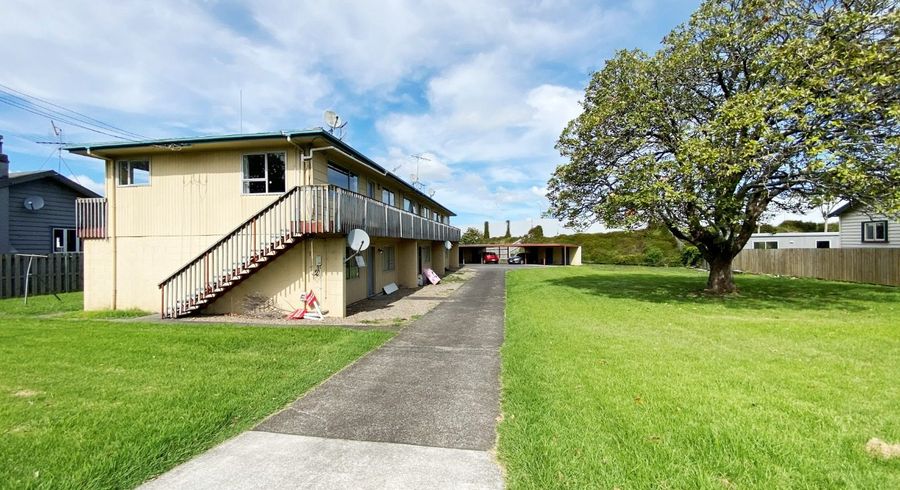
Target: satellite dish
[(358, 240), (34, 203), (448, 245), (332, 119)]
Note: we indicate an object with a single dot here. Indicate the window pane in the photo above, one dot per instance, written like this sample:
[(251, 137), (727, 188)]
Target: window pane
[(337, 176), (407, 205), (59, 240), (123, 173), (276, 172), (353, 184), (71, 241), (351, 270), (879, 231), (140, 173), (254, 166), (255, 187), (823, 244)]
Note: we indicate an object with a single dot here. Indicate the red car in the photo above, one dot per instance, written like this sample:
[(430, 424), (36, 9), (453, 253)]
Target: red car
[(490, 258)]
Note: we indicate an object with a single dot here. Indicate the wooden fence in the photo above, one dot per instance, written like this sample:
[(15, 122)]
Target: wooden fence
[(868, 265), (57, 273)]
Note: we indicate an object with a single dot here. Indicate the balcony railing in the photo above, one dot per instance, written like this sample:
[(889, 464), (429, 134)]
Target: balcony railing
[(318, 209), (90, 217)]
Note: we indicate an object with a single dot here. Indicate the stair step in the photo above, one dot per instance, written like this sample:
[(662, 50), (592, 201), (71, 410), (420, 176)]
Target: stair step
[(273, 249)]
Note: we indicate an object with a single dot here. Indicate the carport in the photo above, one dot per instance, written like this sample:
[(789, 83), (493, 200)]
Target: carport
[(533, 253)]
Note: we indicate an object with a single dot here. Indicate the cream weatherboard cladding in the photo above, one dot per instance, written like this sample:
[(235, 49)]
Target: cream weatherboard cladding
[(195, 198)]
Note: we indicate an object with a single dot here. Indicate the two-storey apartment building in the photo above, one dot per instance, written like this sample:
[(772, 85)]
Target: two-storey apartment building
[(201, 224)]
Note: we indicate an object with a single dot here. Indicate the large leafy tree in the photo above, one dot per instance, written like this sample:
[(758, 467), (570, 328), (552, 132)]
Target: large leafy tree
[(470, 236), (753, 106)]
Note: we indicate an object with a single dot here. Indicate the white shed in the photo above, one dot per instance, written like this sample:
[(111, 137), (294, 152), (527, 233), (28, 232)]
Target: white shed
[(829, 239)]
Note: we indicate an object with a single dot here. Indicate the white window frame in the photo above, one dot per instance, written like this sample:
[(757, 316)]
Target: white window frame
[(65, 244), (265, 177), (873, 225), (130, 162), (765, 245)]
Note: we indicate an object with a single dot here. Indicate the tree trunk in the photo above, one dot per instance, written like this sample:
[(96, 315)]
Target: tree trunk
[(720, 281)]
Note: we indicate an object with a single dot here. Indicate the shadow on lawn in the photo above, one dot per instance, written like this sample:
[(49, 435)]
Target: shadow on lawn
[(756, 292)]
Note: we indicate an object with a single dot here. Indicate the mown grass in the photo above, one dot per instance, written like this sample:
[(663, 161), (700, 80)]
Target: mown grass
[(89, 403), (626, 377)]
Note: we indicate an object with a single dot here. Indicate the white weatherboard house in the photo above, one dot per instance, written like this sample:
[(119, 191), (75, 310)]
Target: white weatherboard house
[(831, 239), (207, 223), (861, 228)]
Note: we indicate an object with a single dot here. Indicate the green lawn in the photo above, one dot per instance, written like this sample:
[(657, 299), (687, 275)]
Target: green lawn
[(91, 403), (625, 377)]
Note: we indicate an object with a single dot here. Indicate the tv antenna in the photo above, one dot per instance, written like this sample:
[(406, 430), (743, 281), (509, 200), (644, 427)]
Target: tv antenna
[(415, 177), (333, 120)]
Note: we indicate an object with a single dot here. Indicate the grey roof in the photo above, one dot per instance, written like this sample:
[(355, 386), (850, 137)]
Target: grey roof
[(190, 141), (16, 178), (841, 210)]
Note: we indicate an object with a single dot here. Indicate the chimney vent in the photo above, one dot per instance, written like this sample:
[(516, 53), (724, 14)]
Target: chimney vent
[(4, 161)]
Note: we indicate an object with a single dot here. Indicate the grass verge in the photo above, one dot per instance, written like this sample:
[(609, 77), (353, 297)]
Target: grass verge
[(625, 377), (88, 403)]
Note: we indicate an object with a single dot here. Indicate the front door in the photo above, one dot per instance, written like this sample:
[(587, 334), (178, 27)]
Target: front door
[(370, 273)]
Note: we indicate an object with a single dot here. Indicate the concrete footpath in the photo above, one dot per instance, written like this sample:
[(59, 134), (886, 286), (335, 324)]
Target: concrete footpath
[(420, 412)]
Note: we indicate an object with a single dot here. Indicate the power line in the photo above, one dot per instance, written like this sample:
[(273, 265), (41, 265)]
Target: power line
[(80, 116), (60, 117)]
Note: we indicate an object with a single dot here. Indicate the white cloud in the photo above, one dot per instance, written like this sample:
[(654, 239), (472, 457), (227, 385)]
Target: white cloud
[(475, 85), (89, 182)]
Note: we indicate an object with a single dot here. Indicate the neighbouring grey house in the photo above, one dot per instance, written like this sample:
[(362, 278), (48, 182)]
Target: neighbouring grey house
[(862, 228), (37, 210), (831, 239)]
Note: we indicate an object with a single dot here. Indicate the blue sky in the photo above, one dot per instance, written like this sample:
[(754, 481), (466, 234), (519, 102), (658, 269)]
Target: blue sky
[(482, 89)]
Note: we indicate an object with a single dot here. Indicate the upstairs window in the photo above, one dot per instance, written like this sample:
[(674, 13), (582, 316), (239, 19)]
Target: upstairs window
[(407, 205), (874, 231), (264, 173), (133, 172), (343, 178), (388, 197)]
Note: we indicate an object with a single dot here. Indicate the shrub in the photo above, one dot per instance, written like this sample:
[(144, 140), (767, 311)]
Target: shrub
[(690, 256), (654, 256)]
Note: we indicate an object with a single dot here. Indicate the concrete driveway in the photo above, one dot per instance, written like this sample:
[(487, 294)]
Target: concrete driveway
[(420, 412)]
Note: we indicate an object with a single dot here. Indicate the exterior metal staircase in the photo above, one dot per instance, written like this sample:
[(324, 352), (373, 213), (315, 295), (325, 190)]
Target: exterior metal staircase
[(251, 246)]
